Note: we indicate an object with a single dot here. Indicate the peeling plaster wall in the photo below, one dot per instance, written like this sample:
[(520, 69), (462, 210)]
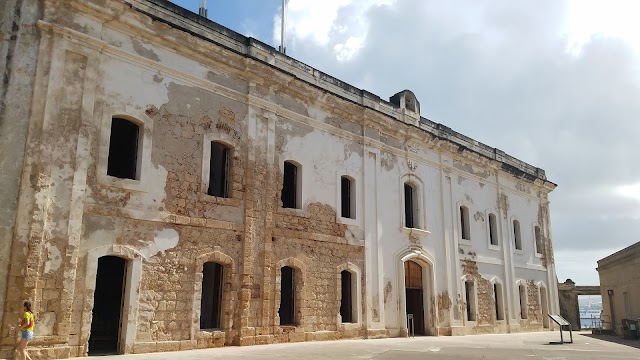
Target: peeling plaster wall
[(18, 57), (105, 59)]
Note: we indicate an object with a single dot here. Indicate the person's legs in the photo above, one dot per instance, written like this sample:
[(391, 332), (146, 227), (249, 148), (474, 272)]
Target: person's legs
[(22, 345), (25, 354), (20, 349)]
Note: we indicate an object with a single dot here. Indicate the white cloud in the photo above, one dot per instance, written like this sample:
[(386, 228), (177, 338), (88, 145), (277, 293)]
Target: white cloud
[(341, 26), (500, 71)]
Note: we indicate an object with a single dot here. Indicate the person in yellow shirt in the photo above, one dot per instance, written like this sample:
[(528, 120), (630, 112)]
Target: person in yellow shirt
[(27, 324)]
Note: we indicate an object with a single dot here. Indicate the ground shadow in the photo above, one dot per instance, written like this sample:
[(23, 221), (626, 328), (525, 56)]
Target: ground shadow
[(616, 339)]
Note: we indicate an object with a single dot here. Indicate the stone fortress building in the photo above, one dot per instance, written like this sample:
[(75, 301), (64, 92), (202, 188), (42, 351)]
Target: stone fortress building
[(169, 184)]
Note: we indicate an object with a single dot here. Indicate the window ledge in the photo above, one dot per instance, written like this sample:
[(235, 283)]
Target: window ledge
[(346, 221), (464, 242), (494, 247), (230, 201), (127, 184), (417, 233), (538, 255), (293, 212), (519, 252)]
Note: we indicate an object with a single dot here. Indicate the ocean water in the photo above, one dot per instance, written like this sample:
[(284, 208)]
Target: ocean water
[(588, 322)]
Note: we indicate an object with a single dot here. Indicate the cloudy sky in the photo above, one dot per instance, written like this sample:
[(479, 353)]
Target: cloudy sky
[(554, 83)]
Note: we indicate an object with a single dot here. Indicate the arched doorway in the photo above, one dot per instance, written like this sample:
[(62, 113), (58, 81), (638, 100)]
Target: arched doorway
[(106, 322), (414, 296)]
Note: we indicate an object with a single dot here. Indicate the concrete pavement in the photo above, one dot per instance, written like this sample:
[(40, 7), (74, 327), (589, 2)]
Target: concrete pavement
[(504, 346)]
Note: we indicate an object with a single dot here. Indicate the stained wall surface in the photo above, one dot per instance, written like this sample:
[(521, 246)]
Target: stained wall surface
[(186, 82), (620, 287)]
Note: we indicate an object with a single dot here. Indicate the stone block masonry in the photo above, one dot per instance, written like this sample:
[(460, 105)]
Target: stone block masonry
[(178, 186)]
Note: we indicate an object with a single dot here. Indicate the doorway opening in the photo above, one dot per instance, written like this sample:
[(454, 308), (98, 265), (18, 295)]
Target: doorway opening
[(108, 298), (590, 307), (347, 307), (211, 301), (414, 295), (287, 296)]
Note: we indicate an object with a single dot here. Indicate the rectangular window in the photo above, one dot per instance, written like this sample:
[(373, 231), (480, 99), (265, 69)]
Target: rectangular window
[(523, 301), (516, 234), (123, 149), (211, 302), (347, 198), (290, 185), (465, 226), (497, 293), (408, 206), (493, 230), (470, 299), (538, 239), (219, 170)]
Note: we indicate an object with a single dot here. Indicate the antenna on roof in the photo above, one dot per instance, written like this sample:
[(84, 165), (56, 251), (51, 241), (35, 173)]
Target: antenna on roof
[(203, 8), (282, 48)]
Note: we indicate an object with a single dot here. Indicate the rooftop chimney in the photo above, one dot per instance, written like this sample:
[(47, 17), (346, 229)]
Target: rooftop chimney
[(203, 8)]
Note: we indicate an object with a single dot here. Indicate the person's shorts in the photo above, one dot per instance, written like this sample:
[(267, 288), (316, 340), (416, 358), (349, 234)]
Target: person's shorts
[(27, 334)]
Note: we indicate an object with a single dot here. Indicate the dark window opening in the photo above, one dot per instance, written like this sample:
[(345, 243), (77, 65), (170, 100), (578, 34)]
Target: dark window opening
[(409, 206), (464, 223), (290, 184), (346, 301), (493, 230), (523, 301), (219, 170), (538, 240), (287, 296), (211, 302), (516, 234), (347, 198), (470, 299), (123, 149), (107, 306), (497, 293)]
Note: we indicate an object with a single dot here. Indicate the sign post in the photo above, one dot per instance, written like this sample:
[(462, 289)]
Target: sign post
[(410, 328), (562, 322)]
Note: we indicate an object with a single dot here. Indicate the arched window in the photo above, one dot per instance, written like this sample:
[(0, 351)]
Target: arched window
[(291, 186), (522, 290), (465, 225), (538, 239), (211, 301), (219, 170), (470, 299), (348, 197), (411, 208), (347, 299), (287, 296), (493, 230), (124, 149), (516, 234)]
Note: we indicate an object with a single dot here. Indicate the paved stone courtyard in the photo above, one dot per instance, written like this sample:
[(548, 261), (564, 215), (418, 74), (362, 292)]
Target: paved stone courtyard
[(504, 346)]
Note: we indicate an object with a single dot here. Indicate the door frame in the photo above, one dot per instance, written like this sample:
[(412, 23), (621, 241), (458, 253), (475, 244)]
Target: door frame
[(427, 263), (131, 283)]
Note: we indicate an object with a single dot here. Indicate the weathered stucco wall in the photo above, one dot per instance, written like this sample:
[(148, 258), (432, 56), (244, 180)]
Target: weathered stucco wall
[(18, 55), (619, 279), (106, 59)]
